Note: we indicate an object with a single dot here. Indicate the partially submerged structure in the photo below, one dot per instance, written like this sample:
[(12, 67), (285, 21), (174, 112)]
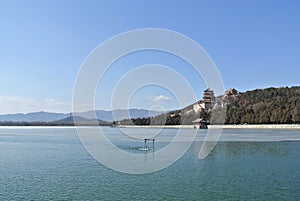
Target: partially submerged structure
[(200, 123)]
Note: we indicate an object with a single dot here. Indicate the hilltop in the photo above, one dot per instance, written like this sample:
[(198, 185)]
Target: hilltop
[(264, 106), (260, 106)]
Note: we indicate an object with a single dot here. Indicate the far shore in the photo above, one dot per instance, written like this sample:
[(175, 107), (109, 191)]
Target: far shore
[(241, 126), (244, 126)]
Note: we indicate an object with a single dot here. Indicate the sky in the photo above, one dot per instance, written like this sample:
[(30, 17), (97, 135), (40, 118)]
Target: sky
[(254, 44)]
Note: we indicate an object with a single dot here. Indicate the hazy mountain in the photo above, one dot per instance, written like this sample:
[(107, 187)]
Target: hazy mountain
[(35, 116), (118, 114), (70, 119), (81, 121), (104, 115)]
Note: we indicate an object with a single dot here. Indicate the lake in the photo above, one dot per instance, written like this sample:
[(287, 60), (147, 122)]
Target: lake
[(52, 164)]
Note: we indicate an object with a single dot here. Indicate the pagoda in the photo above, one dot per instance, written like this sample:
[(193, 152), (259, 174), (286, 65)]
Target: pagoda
[(208, 99)]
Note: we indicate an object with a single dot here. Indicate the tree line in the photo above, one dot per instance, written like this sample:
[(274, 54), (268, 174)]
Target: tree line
[(42, 123), (260, 106), (265, 106)]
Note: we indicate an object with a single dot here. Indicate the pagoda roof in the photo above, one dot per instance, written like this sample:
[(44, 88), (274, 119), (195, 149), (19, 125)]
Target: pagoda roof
[(208, 90)]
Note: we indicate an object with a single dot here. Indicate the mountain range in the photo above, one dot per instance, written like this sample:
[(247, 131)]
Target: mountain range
[(102, 115)]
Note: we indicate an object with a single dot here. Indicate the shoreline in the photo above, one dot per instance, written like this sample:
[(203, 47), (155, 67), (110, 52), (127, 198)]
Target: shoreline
[(248, 126)]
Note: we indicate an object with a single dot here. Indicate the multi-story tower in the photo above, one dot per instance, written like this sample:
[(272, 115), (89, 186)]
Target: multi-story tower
[(208, 99)]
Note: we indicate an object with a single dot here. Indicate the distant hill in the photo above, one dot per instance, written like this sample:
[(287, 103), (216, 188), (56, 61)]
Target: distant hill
[(80, 121), (118, 114), (103, 115), (33, 117), (70, 119)]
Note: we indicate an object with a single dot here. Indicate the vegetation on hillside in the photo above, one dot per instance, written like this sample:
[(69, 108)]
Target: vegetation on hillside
[(261, 106), (265, 106)]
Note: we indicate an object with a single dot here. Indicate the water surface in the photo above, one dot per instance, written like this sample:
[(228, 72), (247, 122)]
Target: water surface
[(51, 163)]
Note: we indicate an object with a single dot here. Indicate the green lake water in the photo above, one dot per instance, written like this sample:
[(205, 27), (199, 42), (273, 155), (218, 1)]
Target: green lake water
[(52, 164)]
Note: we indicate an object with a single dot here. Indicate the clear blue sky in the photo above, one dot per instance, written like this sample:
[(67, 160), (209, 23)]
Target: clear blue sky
[(255, 44)]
